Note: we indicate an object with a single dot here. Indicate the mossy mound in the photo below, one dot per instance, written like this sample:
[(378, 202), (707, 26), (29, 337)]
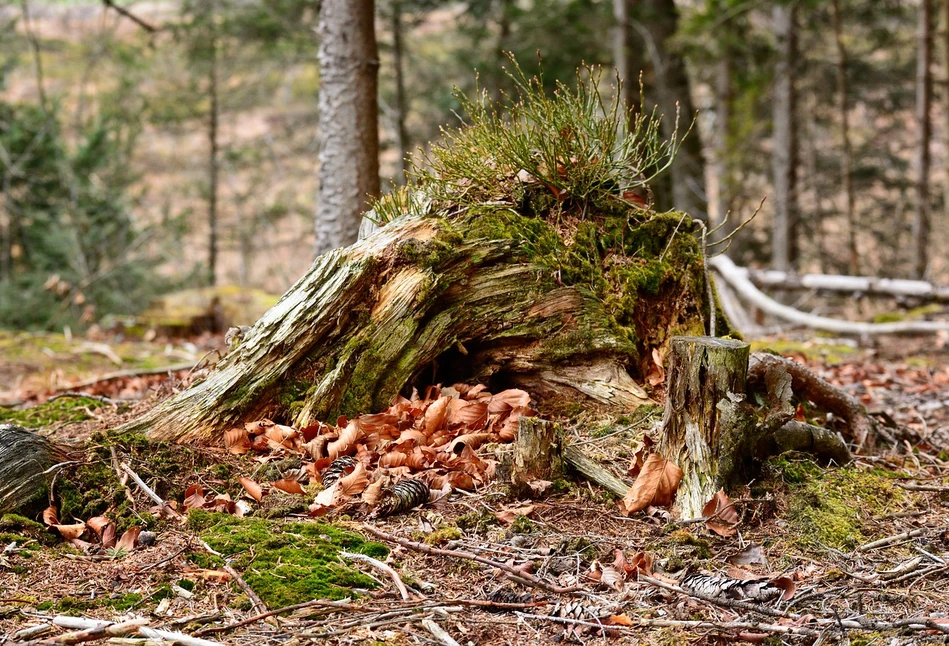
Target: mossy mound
[(285, 563), (57, 411), (836, 507)]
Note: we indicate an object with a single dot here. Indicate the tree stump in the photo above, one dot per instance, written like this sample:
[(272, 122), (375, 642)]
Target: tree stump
[(538, 453), (704, 428)]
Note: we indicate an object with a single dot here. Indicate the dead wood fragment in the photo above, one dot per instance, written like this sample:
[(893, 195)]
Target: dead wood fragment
[(525, 577), (822, 443), (258, 605), (593, 471), (382, 567), (538, 453), (809, 386)]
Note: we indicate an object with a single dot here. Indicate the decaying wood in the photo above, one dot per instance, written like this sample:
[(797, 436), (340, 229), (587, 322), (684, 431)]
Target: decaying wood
[(824, 444), (699, 434), (538, 452), (370, 319), (807, 385), (870, 285), (593, 471), (739, 281)]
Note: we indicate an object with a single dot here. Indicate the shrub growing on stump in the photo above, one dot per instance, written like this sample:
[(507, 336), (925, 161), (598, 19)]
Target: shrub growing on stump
[(522, 252)]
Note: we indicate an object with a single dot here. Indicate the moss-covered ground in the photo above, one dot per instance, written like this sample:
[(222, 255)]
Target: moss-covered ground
[(285, 562)]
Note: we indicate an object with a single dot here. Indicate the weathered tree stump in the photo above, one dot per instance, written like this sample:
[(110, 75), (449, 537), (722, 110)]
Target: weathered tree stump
[(538, 453), (703, 430)]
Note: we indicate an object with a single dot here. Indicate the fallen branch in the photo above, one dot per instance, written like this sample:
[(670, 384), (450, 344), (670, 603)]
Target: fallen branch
[(870, 285), (719, 601), (439, 633), (148, 491), (258, 605), (134, 372), (889, 540), (313, 603), (738, 280), (676, 623), (528, 579), (592, 470), (382, 567)]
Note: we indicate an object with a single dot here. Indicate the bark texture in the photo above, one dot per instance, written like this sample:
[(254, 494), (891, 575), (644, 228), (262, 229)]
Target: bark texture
[(458, 297), (538, 452), (348, 122), (703, 429), (784, 233), (924, 98)]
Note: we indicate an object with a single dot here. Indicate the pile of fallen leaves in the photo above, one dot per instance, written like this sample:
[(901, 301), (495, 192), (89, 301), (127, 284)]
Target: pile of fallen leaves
[(432, 440)]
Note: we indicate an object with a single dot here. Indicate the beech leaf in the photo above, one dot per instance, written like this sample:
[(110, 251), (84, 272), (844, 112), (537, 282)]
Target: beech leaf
[(721, 514), (252, 488), (656, 485), (289, 486), (129, 539)]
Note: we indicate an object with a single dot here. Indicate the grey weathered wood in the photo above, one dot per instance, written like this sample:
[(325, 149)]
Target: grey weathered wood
[(538, 451), (594, 471), (704, 428)]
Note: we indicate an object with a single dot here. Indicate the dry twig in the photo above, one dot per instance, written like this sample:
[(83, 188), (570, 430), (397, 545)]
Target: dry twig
[(382, 567)]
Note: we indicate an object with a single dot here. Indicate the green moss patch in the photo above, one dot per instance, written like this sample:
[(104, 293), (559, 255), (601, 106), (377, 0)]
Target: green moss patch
[(285, 563), (65, 409), (833, 507)]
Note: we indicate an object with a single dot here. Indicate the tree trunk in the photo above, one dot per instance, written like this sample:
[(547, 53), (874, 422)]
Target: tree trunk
[(453, 298), (401, 103), (846, 158), (700, 432), (784, 237), (348, 121), (921, 223), (675, 98), (213, 147), (723, 109), (624, 56)]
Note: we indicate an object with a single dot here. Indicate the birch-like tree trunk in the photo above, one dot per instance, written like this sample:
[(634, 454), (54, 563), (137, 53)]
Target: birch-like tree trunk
[(624, 56), (723, 109), (924, 89), (784, 157), (348, 121), (401, 102)]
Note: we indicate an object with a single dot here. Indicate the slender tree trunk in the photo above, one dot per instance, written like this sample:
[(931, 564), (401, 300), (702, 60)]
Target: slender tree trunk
[(624, 56), (348, 121), (688, 169), (945, 99), (921, 223), (214, 146), (784, 238), (723, 108), (401, 103), (846, 159)]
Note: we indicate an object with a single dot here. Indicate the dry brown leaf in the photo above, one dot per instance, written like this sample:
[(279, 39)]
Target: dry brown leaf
[(753, 554), (612, 577), (194, 497), (236, 441), (97, 524), (346, 441), (258, 427), (508, 400), (355, 482), (50, 516), (283, 437), (392, 459), (327, 497), (657, 373), (619, 620), (641, 563), (71, 532), (211, 576), (252, 488), (129, 539), (639, 456), (373, 492), (435, 416), (108, 535), (656, 485), (472, 414), (469, 440), (721, 514), (787, 584), (289, 486)]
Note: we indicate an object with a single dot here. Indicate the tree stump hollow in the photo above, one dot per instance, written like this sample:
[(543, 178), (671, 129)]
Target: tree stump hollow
[(700, 432)]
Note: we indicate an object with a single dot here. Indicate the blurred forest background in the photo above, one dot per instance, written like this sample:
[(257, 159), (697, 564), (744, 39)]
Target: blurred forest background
[(151, 146)]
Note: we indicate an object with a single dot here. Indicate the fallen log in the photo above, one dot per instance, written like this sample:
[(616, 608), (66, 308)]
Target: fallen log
[(868, 285), (737, 279)]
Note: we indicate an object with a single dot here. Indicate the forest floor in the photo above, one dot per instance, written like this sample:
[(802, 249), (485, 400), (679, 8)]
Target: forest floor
[(865, 547)]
